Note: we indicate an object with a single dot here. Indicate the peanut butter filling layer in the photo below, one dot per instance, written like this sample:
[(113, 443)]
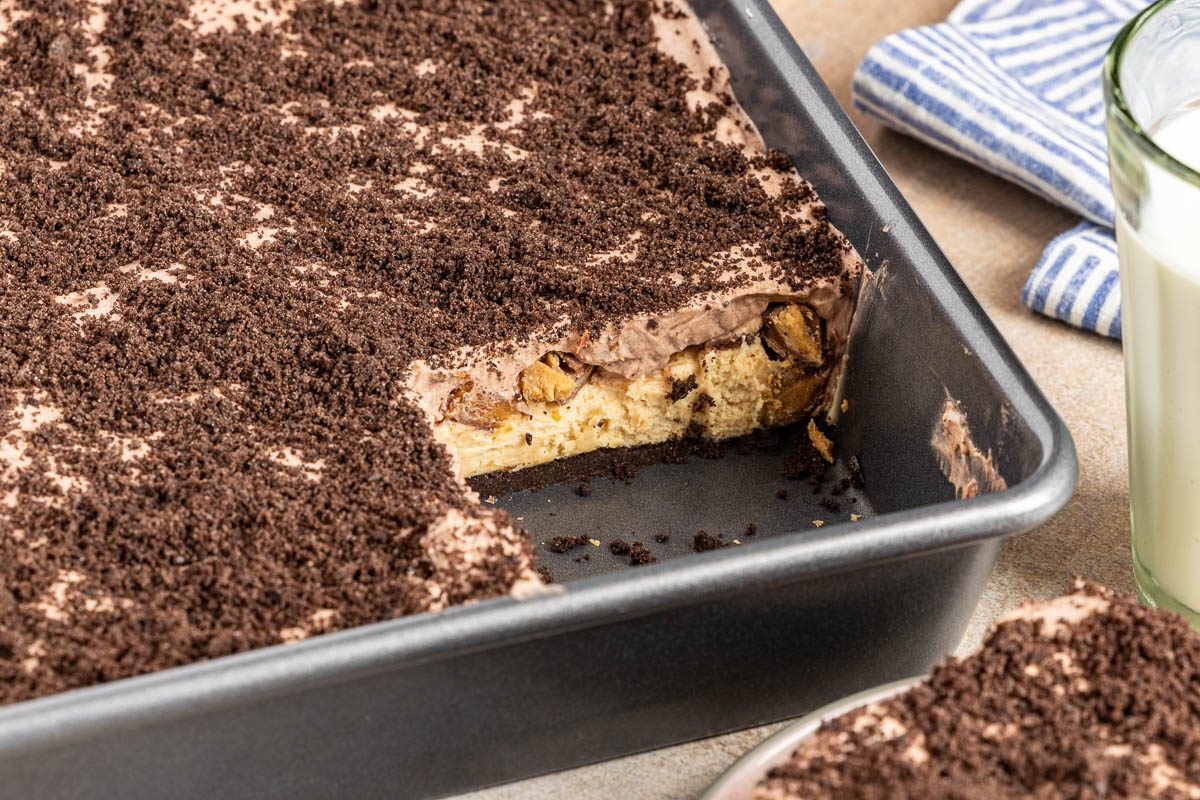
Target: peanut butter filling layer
[(565, 407)]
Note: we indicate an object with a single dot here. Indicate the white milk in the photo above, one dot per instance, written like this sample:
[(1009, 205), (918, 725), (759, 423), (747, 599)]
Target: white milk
[(1160, 307)]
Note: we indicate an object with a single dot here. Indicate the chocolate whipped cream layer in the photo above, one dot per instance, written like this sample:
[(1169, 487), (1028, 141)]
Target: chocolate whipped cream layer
[(1087, 696), (678, 294), (234, 234)]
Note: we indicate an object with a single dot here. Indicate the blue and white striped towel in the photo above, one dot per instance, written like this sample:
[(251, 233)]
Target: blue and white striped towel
[(1014, 87)]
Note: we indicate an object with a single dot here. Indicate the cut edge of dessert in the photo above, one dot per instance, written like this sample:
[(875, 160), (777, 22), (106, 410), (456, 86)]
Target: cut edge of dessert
[(777, 369), (765, 354)]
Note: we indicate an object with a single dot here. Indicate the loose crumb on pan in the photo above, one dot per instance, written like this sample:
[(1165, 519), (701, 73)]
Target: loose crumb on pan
[(704, 541), (564, 544), (820, 441), (640, 554)]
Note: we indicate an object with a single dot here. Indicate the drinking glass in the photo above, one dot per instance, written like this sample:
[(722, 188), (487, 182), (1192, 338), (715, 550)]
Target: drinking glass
[(1152, 95)]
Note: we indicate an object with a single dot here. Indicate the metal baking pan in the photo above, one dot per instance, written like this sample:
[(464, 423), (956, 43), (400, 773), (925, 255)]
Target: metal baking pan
[(630, 658)]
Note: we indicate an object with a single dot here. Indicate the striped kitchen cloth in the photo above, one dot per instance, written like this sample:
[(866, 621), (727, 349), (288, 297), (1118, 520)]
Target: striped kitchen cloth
[(1014, 87)]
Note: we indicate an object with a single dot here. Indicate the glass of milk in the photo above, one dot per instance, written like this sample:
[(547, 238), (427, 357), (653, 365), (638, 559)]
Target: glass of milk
[(1152, 91)]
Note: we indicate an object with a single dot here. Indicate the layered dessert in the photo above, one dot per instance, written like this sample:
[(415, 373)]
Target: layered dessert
[(280, 275), (1089, 695)]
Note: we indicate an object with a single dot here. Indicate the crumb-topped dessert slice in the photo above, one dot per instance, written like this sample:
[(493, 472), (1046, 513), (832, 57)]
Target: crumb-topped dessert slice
[(1089, 695), (695, 329), (278, 274)]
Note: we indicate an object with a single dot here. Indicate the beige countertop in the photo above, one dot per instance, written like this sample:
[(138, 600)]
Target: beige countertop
[(993, 233)]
